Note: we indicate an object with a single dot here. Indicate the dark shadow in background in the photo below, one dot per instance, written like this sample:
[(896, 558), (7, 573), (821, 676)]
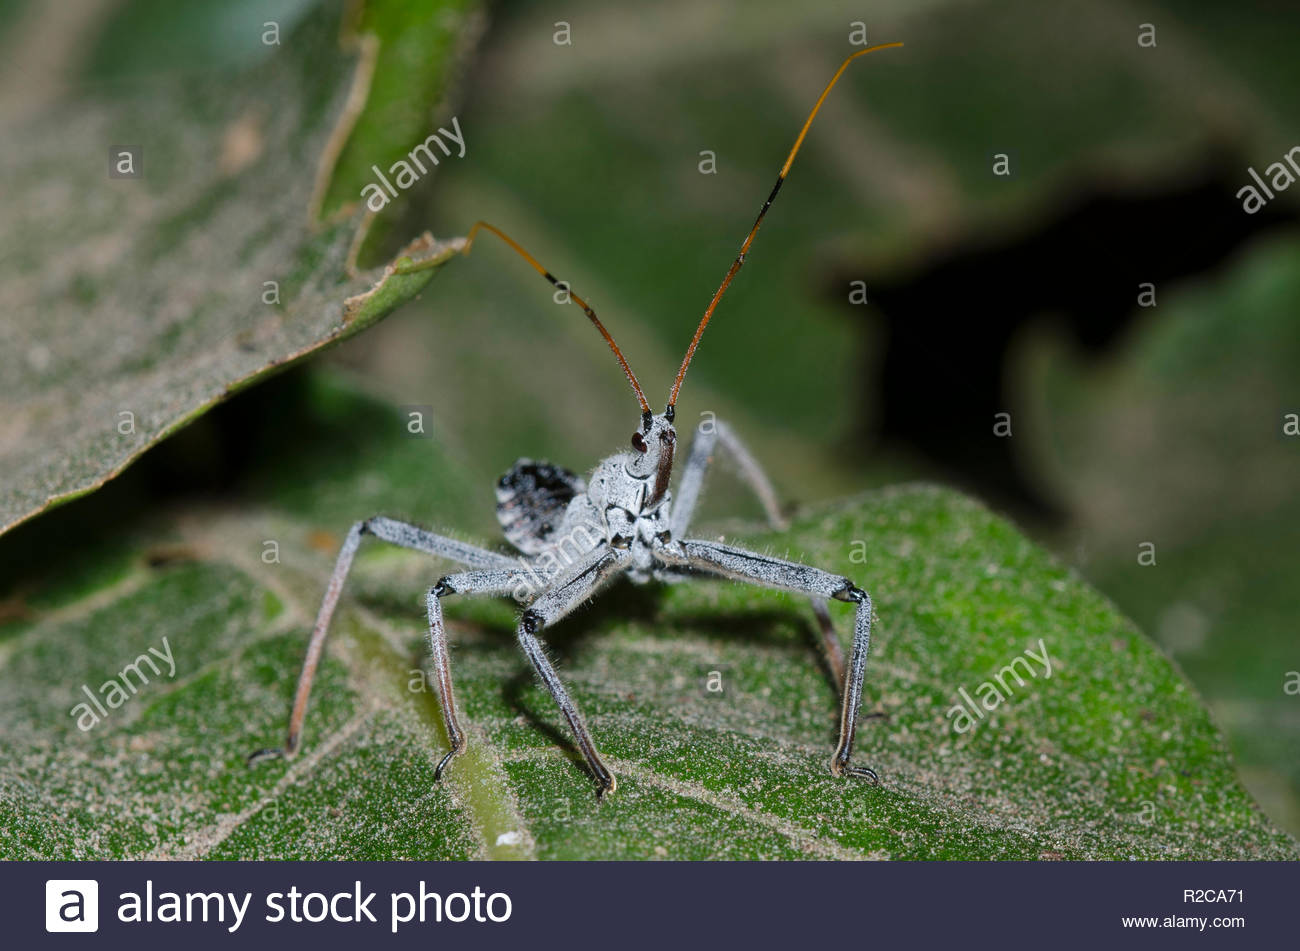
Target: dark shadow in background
[(260, 429), (950, 321)]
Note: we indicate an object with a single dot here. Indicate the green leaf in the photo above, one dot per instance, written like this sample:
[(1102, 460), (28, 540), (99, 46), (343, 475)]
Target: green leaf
[(134, 304), (414, 46), (1111, 756)]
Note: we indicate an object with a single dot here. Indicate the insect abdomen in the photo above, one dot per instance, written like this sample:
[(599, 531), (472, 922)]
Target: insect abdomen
[(532, 498)]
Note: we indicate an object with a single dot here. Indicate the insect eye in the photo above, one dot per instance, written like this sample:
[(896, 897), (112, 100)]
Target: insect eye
[(638, 443)]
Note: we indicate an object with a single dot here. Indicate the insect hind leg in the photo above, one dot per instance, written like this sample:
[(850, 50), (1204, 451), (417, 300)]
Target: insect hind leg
[(708, 437)]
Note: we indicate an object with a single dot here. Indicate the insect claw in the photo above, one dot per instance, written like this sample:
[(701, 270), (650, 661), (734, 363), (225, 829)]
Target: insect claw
[(258, 756), (842, 767), (437, 773), (863, 772), (606, 788)]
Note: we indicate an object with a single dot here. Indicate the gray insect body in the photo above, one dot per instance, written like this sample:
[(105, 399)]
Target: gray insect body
[(555, 517), (633, 500), (576, 536)]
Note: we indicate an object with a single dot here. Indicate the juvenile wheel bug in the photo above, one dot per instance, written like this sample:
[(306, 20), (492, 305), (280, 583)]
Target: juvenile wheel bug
[(577, 535)]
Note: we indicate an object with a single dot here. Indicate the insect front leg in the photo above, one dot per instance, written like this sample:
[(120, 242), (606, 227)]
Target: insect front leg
[(708, 437), (393, 532), (489, 581), (741, 565), (553, 604)]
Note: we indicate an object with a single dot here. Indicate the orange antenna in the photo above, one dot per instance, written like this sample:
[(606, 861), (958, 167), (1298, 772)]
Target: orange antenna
[(586, 308), (749, 239)]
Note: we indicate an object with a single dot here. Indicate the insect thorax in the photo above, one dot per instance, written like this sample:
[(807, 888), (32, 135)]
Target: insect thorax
[(556, 517), (621, 498)]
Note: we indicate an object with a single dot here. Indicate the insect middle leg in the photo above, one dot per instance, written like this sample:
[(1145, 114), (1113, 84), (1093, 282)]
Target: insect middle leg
[(708, 437), (740, 565), (396, 533)]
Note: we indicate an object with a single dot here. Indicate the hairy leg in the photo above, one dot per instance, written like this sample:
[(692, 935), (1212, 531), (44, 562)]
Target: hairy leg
[(485, 581), (708, 437), (740, 565), (559, 599), (396, 533)]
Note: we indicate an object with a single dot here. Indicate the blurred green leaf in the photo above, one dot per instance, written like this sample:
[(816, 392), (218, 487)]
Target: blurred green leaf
[(134, 304), (418, 48), (1189, 420)]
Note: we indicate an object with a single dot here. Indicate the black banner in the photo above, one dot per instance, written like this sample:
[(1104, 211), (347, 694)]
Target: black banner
[(651, 905)]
